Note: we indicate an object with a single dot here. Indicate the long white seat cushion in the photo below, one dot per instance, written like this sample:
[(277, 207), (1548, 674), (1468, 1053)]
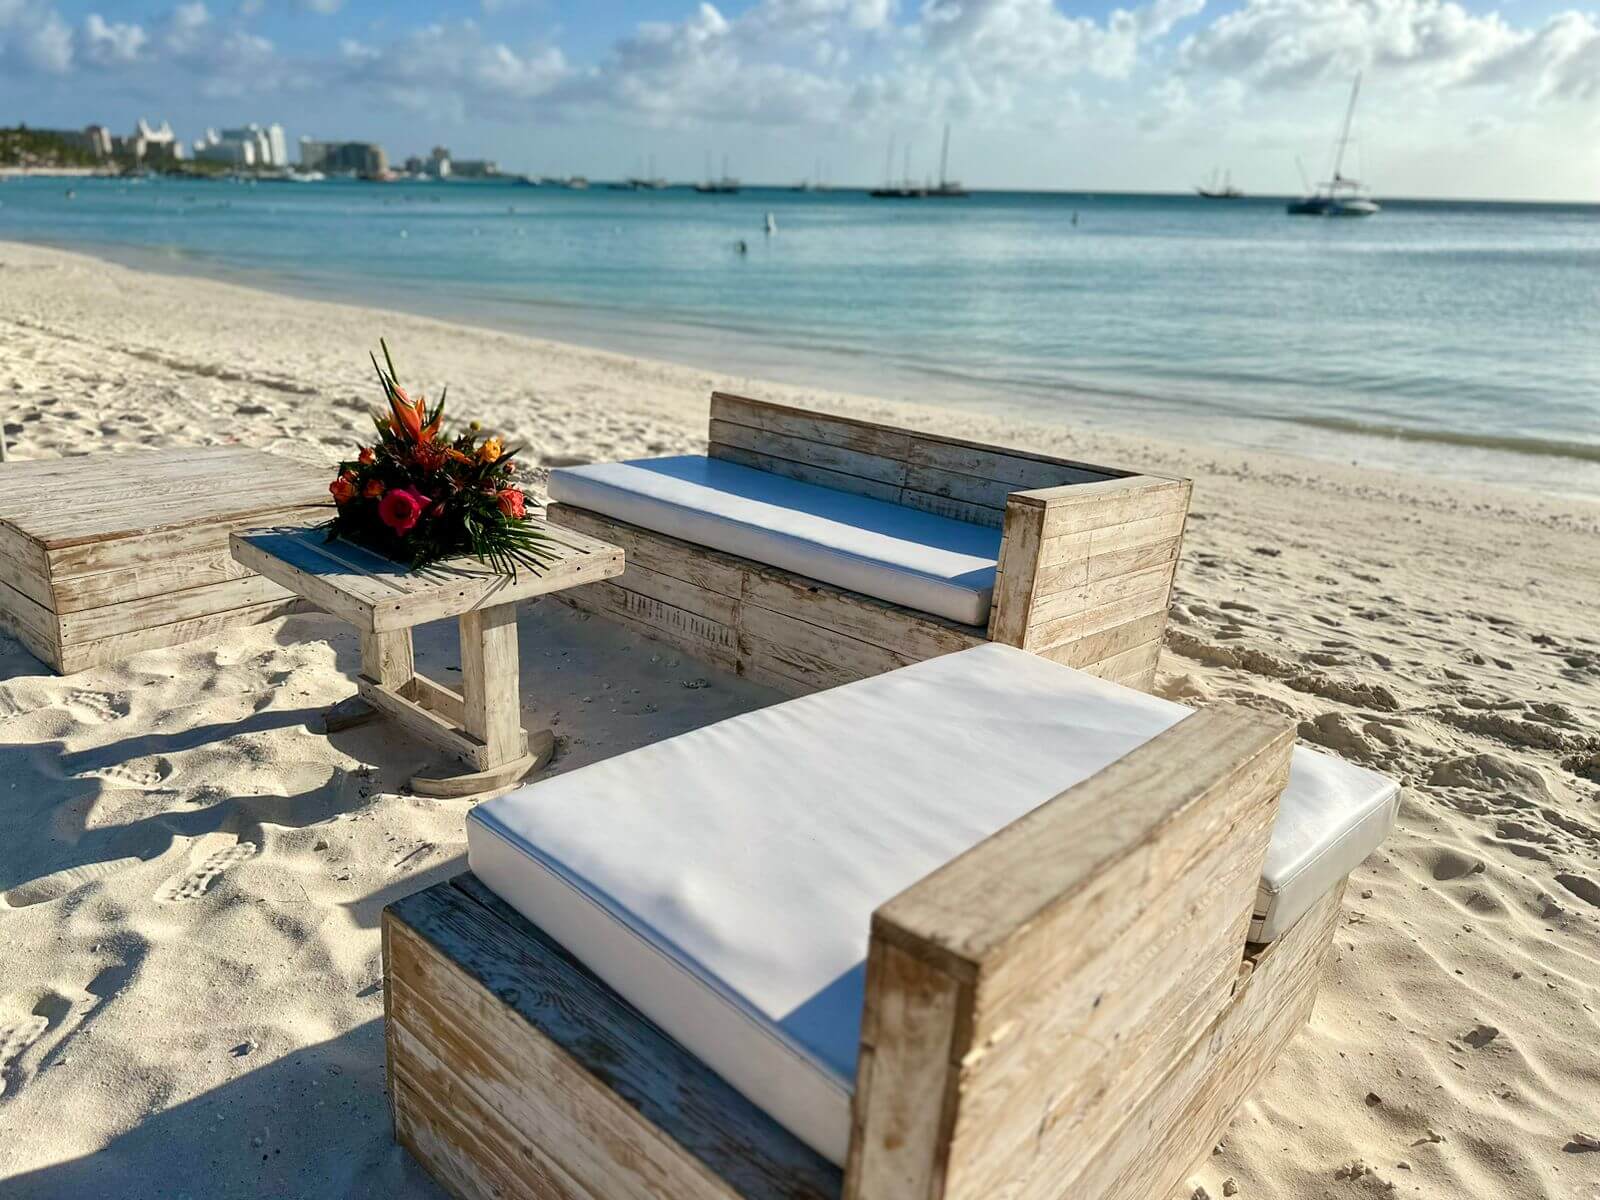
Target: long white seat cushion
[(887, 551), (722, 881)]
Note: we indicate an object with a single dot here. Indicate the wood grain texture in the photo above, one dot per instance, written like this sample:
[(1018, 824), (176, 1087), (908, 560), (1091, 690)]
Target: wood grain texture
[(517, 1072), (490, 701), (783, 629), (82, 655), (375, 593), (967, 481), (1083, 950)]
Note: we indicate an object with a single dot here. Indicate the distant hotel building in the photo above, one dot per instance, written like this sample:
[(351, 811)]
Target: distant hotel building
[(353, 158), (156, 144), (440, 165), (251, 146)]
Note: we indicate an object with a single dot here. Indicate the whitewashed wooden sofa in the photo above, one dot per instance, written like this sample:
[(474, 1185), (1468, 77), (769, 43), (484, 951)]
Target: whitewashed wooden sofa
[(981, 927), (808, 550)]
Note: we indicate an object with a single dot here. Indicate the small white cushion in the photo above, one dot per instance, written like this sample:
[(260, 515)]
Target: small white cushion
[(903, 555), (722, 881)]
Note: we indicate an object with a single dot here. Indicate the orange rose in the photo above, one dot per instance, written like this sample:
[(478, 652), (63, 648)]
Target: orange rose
[(511, 502), (491, 450), (343, 490), (366, 455), (373, 490)]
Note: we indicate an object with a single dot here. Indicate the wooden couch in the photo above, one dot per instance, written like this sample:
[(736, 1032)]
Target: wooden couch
[(1087, 557), (1069, 1009)]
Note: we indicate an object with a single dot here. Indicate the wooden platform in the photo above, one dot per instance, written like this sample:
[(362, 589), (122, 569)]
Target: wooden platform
[(102, 556)]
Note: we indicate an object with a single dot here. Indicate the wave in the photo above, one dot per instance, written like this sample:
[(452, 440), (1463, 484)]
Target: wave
[(1505, 443)]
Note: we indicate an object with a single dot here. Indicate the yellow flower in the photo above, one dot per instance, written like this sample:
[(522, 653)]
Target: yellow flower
[(490, 450)]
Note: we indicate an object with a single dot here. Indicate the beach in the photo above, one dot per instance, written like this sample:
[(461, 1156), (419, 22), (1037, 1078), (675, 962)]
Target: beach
[(191, 877)]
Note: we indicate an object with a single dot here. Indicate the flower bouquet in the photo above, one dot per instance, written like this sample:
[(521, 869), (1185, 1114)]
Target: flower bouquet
[(419, 496)]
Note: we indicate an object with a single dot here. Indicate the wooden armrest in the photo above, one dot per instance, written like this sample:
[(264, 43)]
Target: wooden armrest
[(1027, 999), (1086, 570)]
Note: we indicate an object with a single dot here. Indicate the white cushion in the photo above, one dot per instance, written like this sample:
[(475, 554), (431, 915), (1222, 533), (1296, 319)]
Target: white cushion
[(902, 555), (722, 881)]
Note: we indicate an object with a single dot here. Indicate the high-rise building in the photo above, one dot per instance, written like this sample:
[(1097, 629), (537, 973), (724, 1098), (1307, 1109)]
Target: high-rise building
[(353, 158)]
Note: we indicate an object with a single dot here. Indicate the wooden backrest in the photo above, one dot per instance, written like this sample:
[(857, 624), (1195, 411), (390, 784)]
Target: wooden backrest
[(1031, 1007), (968, 481)]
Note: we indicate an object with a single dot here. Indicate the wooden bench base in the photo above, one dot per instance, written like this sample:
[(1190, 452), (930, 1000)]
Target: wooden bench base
[(513, 1071)]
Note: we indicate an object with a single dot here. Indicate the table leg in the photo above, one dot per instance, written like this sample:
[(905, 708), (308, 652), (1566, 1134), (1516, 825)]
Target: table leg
[(489, 682), (386, 658)]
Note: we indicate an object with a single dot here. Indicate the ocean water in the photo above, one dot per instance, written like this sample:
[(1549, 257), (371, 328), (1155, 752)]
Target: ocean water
[(1457, 338)]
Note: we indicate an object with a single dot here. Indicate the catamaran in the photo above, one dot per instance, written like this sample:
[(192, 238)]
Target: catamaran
[(1211, 190), (1338, 197)]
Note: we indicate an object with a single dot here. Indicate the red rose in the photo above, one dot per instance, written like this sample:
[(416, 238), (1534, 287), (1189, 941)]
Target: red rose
[(511, 502), (400, 508), (342, 489), (373, 490)]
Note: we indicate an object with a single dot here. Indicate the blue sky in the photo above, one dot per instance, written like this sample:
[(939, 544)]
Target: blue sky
[(1461, 98)]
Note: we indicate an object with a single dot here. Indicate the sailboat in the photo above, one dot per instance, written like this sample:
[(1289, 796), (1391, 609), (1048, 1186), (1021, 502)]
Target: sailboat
[(906, 188), (1227, 191), (1338, 197), (726, 186), (947, 186)]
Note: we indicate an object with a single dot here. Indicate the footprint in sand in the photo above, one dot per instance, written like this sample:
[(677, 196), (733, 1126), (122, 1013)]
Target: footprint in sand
[(100, 706), (140, 773), (198, 882)]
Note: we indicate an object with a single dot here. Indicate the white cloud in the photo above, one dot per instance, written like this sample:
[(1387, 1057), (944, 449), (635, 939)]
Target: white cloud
[(184, 29), (33, 37), (108, 43)]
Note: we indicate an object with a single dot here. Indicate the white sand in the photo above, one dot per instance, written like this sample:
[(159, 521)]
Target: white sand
[(190, 881)]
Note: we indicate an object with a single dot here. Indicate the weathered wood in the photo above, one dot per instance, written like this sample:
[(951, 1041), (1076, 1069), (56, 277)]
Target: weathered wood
[(83, 655), (489, 672), (520, 1073), (388, 659), (375, 593), (1091, 939), (117, 553), (94, 624)]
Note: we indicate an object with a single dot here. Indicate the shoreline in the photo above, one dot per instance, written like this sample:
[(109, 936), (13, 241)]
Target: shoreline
[(191, 875), (1564, 470)]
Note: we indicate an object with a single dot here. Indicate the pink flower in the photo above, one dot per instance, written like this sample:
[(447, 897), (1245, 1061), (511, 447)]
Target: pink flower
[(400, 509)]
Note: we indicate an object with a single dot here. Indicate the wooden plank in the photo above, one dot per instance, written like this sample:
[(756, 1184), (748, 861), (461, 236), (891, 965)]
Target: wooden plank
[(1016, 576), (119, 646), (420, 721), (1017, 468), (1056, 627), (956, 510), (904, 1100), (137, 582), (1090, 943), (447, 702), (877, 468), (1186, 1113), (576, 1086), (680, 594), (1102, 645), (1087, 506), (810, 651), (489, 688), (376, 594), (24, 566), (829, 429), (919, 635), (986, 493), (95, 624), (688, 631), (157, 548), (705, 568), (388, 658), (805, 472), (31, 624), (1134, 667)]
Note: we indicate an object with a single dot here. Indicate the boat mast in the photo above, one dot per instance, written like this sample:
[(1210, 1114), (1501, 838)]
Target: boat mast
[(944, 154), (1344, 134)]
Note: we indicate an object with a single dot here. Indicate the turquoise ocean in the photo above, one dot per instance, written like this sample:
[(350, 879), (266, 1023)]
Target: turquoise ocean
[(1455, 338)]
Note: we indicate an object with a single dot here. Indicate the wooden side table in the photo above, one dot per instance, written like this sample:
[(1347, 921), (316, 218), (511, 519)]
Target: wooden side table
[(482, 723)]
